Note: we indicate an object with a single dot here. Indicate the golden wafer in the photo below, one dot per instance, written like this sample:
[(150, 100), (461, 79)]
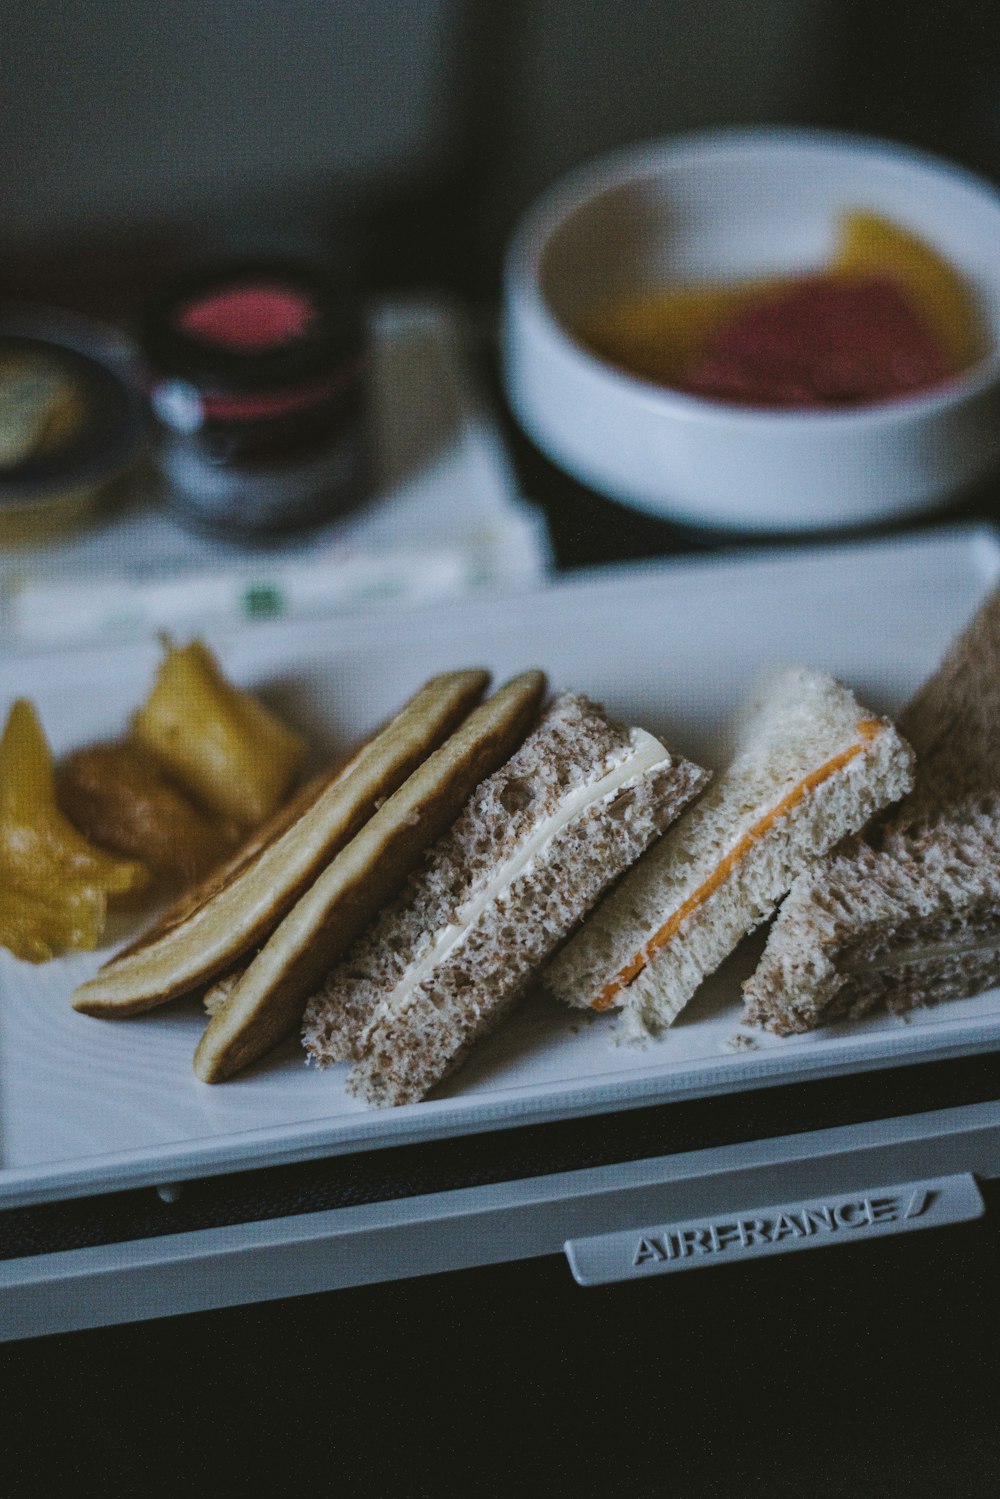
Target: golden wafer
[(269, 998), (233, 912)]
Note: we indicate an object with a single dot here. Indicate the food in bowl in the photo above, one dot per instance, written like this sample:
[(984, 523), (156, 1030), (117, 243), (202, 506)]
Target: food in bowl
[(888, 317), (752, 207)]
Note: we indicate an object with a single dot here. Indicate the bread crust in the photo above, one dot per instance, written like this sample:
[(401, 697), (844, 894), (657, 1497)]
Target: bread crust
[(906, 914), (728, 862), (406, 1033)]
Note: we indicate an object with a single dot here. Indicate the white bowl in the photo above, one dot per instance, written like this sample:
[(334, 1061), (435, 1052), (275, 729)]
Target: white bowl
[(720, 207)]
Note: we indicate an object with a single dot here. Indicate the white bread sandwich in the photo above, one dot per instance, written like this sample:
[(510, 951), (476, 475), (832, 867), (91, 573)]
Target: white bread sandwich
[(534, 848), (811, 766), (908, 913)]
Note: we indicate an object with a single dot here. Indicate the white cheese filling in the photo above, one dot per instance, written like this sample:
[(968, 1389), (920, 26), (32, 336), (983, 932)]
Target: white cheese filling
[(904, 957), (647, 754)]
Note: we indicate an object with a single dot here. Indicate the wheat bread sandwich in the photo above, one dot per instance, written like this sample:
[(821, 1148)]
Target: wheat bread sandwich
[(810, 766), (268, 996), (909, 912), (236, 907), (534, 848)]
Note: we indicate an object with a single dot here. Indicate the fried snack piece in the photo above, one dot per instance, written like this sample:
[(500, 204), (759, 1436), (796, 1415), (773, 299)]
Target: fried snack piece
[(54, 884), (120, 796), (269, 998), (38, 924), (236, 908), (234, 756)]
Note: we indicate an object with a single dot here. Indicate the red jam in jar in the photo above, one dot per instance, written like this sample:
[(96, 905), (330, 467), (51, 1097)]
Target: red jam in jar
[(257, 373), (251, 318)]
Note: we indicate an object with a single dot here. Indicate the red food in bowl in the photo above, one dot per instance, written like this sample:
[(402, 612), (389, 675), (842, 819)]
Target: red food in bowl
[(822, 341)]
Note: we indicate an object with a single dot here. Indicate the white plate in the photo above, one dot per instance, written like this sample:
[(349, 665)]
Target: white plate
[(89, 1105)]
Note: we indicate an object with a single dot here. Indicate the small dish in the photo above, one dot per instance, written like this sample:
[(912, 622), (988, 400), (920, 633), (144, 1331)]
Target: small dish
[(52, 486), (719, 208)]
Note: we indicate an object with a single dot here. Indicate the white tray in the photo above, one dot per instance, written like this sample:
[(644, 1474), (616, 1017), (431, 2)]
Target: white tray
[(89, 1105)]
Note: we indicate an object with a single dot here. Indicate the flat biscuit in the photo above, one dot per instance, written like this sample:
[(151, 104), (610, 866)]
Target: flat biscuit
[(269, 998), (233, 911), (226, 871)]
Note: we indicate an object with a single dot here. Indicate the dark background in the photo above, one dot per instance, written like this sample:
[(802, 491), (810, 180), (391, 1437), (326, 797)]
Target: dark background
[(405, 137)]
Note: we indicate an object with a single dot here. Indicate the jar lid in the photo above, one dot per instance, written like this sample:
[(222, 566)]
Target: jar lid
[(251, 326)]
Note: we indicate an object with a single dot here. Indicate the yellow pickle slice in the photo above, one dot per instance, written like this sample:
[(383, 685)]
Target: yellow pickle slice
[(54, 883), (219, 742)]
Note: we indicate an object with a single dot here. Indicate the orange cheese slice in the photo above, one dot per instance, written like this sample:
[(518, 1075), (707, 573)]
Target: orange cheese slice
[(868, 729)]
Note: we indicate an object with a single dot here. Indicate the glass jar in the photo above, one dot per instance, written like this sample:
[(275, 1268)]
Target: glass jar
[(257, 374)]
